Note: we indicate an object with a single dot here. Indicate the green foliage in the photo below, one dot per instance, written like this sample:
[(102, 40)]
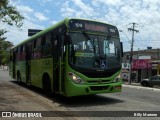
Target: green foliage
[(9, 15), (2, 32), (5, 60), (4, 52)]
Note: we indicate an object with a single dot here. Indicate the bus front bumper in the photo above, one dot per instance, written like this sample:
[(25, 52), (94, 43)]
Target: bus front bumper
[(73, 89)]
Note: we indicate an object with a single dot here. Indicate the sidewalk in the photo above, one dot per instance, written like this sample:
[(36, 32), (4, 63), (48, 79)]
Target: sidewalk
[(138, 84), (134, 84)]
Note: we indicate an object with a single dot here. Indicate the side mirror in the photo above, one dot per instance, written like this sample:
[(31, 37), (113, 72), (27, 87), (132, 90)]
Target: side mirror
[(121, 49)]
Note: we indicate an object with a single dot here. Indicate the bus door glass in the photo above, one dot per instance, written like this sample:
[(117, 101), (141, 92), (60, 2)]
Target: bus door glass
[(55, 64), (58, 75)]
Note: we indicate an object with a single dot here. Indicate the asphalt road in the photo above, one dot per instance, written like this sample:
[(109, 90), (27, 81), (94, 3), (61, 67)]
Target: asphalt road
[(18, 97)]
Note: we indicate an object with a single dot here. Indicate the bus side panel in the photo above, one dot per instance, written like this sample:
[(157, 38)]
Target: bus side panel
[(36, 72), (39, 67), (22, 70)]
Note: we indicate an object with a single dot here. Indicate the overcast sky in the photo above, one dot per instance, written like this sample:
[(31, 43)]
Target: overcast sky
[(40, 14)]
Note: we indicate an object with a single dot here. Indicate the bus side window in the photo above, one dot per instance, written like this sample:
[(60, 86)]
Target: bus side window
[(43, 42), (34, 49), (56, 47), (29, 50), (22, 52), (37, 48), (46, 45), (18, 53)]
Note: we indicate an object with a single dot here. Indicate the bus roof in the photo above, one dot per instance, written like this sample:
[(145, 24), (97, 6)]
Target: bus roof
[(41, 33), (65, 22)]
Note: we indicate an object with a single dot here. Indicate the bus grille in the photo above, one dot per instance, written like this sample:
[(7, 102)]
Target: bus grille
[(98, 74), (98, 88), (98, 81)]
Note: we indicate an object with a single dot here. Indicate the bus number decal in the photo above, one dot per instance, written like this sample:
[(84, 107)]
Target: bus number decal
[(112, 30), (79, 25)]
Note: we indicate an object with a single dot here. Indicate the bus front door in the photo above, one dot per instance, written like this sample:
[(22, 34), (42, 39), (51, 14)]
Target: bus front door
[(58, 79)]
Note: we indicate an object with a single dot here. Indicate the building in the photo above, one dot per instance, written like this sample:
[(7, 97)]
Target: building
[(145, 63)]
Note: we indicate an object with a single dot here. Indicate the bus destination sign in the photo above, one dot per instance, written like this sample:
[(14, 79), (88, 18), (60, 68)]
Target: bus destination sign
[(89, 26), (84, 25), (95, 27)]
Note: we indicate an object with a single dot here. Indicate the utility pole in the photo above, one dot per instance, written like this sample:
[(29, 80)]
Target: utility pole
[(131, 52)]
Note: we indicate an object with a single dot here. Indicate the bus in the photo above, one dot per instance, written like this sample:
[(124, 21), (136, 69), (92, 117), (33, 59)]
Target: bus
[(73, 57)]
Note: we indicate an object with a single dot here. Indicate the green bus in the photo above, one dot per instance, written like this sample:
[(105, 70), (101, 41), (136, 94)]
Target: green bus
[(71, 58)]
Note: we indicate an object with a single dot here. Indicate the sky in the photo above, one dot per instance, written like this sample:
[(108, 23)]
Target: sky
[(41, 14)]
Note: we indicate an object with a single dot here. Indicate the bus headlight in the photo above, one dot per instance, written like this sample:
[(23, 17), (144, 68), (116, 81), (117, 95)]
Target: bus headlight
[(117, 79), (76, 79)]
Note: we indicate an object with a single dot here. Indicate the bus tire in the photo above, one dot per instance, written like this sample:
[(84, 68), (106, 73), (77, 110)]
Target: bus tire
[(18, 77), (47, 85)]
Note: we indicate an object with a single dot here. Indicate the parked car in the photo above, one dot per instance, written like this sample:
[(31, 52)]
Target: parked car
[(155, 80)]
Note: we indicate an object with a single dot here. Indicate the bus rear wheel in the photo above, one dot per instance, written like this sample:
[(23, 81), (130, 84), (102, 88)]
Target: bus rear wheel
[(47, 86)]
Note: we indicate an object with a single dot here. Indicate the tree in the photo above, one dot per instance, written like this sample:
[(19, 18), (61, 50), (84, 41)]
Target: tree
[(4, 52), (10, 16)]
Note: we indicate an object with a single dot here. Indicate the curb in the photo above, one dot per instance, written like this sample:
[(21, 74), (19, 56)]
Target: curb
[(140, 87)]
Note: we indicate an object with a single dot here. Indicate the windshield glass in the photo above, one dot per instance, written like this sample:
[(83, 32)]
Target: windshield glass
[(94, 51)]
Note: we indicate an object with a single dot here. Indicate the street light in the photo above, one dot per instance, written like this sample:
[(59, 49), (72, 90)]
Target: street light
[(130, 68), (125, 35)]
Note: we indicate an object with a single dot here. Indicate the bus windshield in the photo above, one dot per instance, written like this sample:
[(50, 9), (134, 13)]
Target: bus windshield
[(94, 51)]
